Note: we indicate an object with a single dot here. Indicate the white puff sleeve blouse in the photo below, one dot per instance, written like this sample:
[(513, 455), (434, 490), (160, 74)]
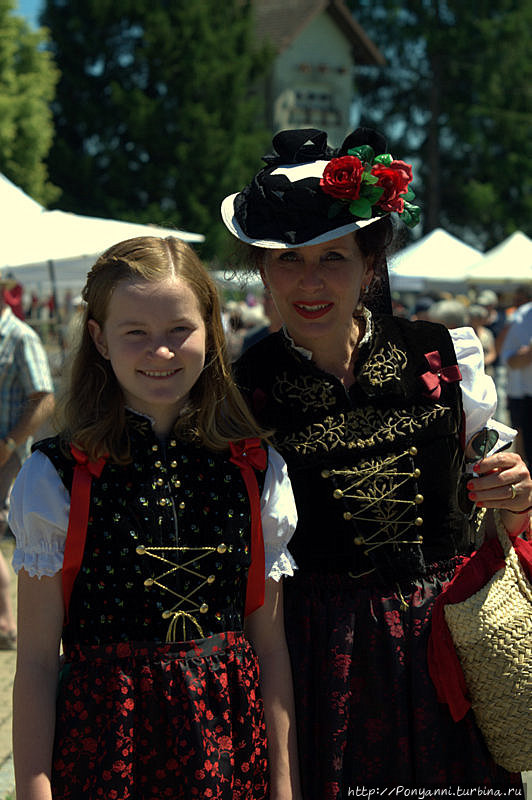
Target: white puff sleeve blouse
[(479, 395)]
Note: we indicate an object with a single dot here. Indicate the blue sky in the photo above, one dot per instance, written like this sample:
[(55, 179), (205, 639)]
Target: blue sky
[(29, 9)]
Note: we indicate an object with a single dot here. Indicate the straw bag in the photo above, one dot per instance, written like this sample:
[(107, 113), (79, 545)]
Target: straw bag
[(492, 635)]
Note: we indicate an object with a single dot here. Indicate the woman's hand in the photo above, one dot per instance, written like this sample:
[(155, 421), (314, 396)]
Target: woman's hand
[(503, 482)]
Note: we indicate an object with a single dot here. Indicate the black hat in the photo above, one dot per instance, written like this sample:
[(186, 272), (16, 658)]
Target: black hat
[(309, 193)]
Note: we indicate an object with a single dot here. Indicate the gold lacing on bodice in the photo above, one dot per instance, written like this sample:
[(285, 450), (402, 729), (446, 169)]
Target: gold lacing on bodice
[(371, 493), (186, 606)]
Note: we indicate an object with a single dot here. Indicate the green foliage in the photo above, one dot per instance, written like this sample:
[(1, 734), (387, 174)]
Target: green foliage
[(455, 99), (154, 113), (27, 82)]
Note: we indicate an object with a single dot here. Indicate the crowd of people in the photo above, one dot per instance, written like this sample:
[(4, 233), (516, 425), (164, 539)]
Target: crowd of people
[(229, 546)]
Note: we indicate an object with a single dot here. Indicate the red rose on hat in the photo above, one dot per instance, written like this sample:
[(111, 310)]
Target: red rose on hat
[(342, 177), (394, 179)]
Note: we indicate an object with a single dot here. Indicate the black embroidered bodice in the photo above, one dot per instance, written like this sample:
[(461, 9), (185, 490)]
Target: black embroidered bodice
[(374, 468), (168, 543)]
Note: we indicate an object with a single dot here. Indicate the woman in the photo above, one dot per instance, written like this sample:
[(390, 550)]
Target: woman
[(369, 415)]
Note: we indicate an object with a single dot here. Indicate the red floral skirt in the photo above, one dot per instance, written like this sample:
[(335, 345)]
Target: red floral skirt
[(367, 711), (147, 721)]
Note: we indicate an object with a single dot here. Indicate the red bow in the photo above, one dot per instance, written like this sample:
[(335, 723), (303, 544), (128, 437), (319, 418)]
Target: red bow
[(248, 452), (94, 467), (437, 374)]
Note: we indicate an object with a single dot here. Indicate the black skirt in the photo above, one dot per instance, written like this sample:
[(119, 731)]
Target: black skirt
[(367, 710), (147, 721)]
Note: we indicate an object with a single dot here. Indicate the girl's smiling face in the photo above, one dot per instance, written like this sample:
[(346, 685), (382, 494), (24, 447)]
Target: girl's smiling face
[(316, 288), (154, 337)]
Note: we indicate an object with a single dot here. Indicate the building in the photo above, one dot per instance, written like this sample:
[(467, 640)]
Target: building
[(319, 45)]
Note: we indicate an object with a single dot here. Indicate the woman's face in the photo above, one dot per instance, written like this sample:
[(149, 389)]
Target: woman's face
[(316, 288)]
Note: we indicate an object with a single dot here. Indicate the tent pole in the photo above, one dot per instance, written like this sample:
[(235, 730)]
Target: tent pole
[(57, 311)]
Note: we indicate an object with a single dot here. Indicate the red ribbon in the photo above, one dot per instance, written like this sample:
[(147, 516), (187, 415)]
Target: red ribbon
[(80, 496), (248, 455), (433, 378)]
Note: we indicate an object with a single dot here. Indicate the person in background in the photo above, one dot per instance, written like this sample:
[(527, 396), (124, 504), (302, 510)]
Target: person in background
[(516, 353), (151, 539), (27, 401), (496, 317), (422, 306), (273, 323), (514, 386), (478, 316), (451, 313), (13, 296), (370, 412)]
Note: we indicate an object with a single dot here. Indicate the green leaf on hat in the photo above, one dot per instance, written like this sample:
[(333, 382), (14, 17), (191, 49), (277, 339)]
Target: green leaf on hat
[(372, 193), (385, 158), (367, 177), (361, 208), (364, 153), (408, 195), (410, 215)]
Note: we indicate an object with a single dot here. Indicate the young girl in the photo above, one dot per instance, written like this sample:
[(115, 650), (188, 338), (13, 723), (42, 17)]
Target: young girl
[(160, 481)]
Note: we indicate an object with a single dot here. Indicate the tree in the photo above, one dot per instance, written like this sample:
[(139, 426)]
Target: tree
[(456, 95), (27, 83), (154, 115)]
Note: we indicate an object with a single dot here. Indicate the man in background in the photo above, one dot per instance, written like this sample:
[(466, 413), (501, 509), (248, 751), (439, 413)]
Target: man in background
[(26, 402), (516, 353)]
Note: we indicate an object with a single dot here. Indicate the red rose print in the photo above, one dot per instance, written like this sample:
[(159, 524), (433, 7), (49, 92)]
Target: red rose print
[(342, 177), (90, 745), (394, 622), (394, 179), (225, 743)]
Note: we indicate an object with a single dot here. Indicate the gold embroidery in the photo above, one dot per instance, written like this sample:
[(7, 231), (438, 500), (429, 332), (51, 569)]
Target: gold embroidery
[(178, 611), (306, 390), (344, 430), (385, 365), (380, 493)]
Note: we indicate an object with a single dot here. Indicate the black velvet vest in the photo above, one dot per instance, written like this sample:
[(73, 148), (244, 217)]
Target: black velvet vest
[(168, 544), (376, 470)]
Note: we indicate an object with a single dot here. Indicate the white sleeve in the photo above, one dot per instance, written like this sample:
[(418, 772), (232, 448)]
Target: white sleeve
[(479, 395), (38, 516), (279, 517)]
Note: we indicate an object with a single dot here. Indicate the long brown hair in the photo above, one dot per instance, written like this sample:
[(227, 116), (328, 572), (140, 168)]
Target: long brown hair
[(92, 407)]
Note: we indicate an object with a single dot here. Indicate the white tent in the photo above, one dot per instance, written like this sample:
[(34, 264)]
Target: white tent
[(437, 261), (40, 243), (508, 262)]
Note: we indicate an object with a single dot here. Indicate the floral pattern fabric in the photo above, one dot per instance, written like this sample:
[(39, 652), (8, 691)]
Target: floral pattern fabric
[(358, 648), (146, 721)]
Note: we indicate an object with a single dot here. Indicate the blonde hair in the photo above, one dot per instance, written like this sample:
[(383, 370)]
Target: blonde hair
[(92, 410)]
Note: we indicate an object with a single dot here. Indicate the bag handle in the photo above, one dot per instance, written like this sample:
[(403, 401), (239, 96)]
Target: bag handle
[(511, 556)]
